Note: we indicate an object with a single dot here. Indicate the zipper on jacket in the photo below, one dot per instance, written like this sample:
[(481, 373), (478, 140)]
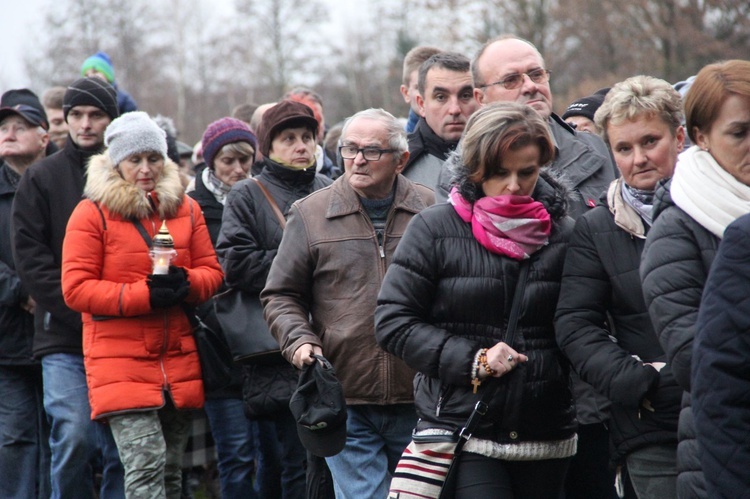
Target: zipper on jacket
[(380, 234), (445, 390), (164, 352)]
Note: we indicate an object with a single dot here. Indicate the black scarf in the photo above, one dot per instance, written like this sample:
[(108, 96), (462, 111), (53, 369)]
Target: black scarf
[(424, 141)]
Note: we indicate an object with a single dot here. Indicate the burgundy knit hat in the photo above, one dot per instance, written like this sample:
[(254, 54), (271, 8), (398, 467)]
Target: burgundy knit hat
[(285, 114), (222, 132)]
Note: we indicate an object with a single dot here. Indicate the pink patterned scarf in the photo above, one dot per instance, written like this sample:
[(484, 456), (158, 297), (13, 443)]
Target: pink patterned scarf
[(514, 226)]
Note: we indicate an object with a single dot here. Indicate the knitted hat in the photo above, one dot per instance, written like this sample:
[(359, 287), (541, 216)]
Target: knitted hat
[(134, 133), (586, 106), (24, 103), (222, 132), (91, 92), (99, 62), (285, 114)]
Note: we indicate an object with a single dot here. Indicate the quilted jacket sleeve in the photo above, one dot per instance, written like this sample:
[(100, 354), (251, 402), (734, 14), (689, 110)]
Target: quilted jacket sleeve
[(581, 330), (673, 276), (83, 260), (402, 325), (242, 246), (721, 369)]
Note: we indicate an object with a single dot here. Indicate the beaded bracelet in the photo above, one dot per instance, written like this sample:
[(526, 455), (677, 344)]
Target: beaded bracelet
[(475, 381), (485, 364)]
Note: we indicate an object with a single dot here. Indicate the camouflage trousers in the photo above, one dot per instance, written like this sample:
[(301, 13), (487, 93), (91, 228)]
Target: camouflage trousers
[(151, 446)]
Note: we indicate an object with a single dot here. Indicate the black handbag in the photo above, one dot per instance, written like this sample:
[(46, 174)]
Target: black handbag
[(427, 468), (240, 315), (213, 353)]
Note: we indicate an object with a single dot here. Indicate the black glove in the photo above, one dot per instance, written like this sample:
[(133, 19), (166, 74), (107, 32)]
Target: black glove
[(167, 290)]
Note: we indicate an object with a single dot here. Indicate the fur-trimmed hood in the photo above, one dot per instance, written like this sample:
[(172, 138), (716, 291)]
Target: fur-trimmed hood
[(105, 185)]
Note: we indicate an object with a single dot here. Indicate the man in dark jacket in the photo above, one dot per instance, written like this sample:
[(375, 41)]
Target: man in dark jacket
[(24, 433), (445, 101), (322, 288), (46, 196)]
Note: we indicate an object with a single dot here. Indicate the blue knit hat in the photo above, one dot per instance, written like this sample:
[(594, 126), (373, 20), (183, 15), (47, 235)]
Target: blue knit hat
[(99, 62)]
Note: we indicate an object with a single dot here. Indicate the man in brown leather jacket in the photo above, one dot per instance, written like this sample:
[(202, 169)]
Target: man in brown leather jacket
[(321, 293)]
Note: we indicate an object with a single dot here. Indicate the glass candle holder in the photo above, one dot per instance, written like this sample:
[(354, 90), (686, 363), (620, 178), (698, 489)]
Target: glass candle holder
[(162, 251)]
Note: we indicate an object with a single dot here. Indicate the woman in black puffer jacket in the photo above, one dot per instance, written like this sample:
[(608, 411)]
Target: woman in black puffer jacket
[(709, 189), (248, 242), (447, 295), (602, 322)]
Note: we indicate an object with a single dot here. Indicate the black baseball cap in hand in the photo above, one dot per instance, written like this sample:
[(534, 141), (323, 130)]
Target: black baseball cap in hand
[(319, 408)]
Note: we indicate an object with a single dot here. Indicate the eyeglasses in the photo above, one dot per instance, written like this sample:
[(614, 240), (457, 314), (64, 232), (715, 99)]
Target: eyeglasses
[(512, 82), (369, 153)]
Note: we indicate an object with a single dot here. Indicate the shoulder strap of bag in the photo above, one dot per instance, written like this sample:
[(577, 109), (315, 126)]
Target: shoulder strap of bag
[(144, 234), (272, 202), (480, 409)]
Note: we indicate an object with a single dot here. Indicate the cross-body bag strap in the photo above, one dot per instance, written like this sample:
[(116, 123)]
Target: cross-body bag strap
[(480, 409), (272, 202)]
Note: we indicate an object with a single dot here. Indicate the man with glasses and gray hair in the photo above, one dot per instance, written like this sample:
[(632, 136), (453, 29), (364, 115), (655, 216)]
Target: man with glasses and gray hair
[(321, 293), (510, 69)]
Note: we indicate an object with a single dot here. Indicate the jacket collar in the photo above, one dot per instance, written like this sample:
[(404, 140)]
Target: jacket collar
[(105, 185), (345, 201), (425, 141)]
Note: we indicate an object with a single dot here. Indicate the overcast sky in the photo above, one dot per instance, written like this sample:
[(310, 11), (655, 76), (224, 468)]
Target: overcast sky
[(18, 17)]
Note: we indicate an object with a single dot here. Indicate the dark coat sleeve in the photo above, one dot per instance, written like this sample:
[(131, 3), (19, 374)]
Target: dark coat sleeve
[(32, 252), (402, 325), (721, 369), (580, 325), (673, 275), (243, 246)]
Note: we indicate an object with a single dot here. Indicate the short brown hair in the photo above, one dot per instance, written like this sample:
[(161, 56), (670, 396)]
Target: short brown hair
[(712, 85), (52, 98), (244, 112), (414, 59), (498, 128)]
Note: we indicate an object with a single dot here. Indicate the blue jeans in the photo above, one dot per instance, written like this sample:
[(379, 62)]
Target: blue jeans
[(653, 471), (235, 446), (284, 458), (74, 438), (376, 436), (24, 434)]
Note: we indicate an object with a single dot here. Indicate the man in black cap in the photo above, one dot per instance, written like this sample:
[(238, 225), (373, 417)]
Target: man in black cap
[(46, 196), (580, 113), (24, 432)]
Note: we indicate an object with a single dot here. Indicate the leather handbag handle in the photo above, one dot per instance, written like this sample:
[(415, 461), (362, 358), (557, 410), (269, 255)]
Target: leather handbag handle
[(272, 202)]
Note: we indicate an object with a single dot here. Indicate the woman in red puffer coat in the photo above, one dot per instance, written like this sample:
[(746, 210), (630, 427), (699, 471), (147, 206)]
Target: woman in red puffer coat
[(142, 367)]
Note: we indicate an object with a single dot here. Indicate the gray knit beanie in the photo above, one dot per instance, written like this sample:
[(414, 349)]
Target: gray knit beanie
[(133, 133)]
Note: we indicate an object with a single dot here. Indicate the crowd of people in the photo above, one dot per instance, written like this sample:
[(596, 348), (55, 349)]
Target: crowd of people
[(581, 275)]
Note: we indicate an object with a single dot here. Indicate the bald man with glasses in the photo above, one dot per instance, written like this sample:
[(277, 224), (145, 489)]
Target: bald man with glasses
[(510, 69)]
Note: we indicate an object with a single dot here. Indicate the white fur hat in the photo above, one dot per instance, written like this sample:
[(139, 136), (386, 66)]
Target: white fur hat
[(133, 133)]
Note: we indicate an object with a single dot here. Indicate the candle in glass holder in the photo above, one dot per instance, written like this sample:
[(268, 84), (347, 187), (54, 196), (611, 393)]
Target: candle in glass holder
[(162, 251)]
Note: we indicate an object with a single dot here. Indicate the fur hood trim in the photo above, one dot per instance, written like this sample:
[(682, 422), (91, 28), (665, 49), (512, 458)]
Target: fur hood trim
[(105, 185)]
